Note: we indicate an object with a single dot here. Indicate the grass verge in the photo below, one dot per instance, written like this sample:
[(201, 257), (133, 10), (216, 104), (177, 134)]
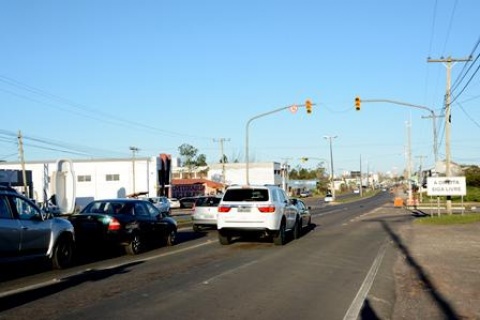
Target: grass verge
[(450, 219)]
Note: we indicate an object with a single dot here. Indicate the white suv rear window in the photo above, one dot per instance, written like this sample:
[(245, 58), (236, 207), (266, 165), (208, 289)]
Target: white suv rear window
[(246, 195)]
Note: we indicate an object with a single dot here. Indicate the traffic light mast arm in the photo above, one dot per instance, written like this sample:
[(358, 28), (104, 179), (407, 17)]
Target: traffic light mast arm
[(247, 166), (399, 103), (433, 116)]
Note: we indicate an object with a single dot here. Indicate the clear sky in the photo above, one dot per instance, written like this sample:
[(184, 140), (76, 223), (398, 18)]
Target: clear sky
[(91, 78)]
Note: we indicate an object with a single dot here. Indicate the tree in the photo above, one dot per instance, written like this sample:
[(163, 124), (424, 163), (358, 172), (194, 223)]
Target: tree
[(190, 157)]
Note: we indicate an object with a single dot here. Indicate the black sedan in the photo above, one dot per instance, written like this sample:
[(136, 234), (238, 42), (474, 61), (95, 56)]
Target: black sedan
[(132, 223)]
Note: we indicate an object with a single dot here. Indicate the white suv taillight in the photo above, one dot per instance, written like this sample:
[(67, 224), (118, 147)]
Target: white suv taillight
[(223, 209), (266, 209)]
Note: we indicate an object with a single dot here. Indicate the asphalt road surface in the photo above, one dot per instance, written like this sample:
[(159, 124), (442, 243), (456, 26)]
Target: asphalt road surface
[(331, 272)]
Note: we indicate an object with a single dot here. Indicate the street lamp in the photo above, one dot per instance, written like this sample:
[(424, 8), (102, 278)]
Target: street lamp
[(332, 183)]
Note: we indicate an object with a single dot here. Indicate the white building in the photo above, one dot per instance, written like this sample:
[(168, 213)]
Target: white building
[(97, 179), (235, 173), (118, 178)]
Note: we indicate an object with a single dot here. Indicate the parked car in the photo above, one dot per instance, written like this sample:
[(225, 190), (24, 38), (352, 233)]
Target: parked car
[(187, 202), (264, 210), (134, 224), (204, 213), (27, 232), (161, 203), (174, 203), (305, 215)]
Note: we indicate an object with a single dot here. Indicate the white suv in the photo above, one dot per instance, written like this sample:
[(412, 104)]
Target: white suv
[(264, 210)]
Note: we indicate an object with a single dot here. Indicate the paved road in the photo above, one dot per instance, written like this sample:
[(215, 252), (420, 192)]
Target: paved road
[(326, 274)]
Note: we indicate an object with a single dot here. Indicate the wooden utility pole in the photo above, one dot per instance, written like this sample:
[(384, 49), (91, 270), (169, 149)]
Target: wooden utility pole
[(222, 159), (448, 62)]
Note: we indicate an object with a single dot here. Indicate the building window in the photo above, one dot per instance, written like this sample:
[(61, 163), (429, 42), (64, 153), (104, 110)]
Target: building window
[(113, 177), (86, 178)]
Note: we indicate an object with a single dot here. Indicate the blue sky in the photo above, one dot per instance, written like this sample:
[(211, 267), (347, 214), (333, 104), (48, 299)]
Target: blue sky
[(95, 77)]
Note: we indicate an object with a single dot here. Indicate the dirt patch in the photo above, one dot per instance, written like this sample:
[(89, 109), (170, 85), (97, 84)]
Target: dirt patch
[(438, 273)]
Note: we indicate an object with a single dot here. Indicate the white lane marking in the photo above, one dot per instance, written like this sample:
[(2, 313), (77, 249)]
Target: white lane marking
[(65, 278), (357, 303), (248, 264)]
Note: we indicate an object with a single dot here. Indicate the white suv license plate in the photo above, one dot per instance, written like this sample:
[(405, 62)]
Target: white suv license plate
[(243, 209)]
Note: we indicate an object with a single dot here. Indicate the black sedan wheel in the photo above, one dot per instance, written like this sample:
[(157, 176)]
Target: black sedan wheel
[(171, 238), (135, 245)]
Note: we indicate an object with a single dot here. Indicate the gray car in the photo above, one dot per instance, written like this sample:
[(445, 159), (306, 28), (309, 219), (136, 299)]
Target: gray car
[(27, 232)]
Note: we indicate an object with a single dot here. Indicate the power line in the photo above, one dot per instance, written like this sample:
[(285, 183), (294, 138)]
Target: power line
[(86, 111)]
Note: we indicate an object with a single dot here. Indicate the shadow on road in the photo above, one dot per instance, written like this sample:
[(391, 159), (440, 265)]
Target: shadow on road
[(20, 298)]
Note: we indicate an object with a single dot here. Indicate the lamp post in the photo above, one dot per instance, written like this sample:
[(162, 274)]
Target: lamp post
[(332, 176)]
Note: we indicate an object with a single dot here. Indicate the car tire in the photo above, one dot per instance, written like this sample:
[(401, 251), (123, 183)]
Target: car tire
[(224, 239), (135, 245), (280, 236), (196, 228), (171, 238), (297, 230), (62, 256)]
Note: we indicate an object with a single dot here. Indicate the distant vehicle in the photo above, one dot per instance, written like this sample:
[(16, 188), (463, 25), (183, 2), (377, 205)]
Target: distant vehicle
[(174, 203), (305, 215), (187, 202), (262, 210), (204, 213), (356, 191), (161, 203), (27, 232), (132, 223), (305, 194), (328, 197)]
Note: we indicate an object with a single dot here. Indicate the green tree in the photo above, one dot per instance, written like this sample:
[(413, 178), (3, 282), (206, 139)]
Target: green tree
[(190, 157), (472, 176)]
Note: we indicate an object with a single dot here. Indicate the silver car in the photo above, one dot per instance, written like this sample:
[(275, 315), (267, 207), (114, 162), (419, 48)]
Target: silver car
[(27, 232), (204, 212), (161, 203)]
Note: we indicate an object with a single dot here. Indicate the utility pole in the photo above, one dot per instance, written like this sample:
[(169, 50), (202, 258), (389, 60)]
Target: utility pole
[(420, 176), (409, 162), (434, 117), (22, 161), (222, 159), (448, 62), (134, 150), (332, 174)]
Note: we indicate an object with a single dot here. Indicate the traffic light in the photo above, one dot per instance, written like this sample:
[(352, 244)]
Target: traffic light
[(308, 106), (357, 103)]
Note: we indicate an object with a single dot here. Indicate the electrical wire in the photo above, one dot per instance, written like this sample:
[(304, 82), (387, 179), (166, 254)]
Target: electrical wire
[(85, 111)]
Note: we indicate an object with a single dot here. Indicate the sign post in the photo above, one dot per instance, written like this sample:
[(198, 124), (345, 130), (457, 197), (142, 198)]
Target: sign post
[(446, 186)]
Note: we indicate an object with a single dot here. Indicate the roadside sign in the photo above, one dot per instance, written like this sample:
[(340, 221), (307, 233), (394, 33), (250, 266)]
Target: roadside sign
[(446, 186)]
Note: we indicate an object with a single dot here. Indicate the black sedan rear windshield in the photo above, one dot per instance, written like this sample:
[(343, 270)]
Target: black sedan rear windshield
[(246, 195), (207, 202)]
